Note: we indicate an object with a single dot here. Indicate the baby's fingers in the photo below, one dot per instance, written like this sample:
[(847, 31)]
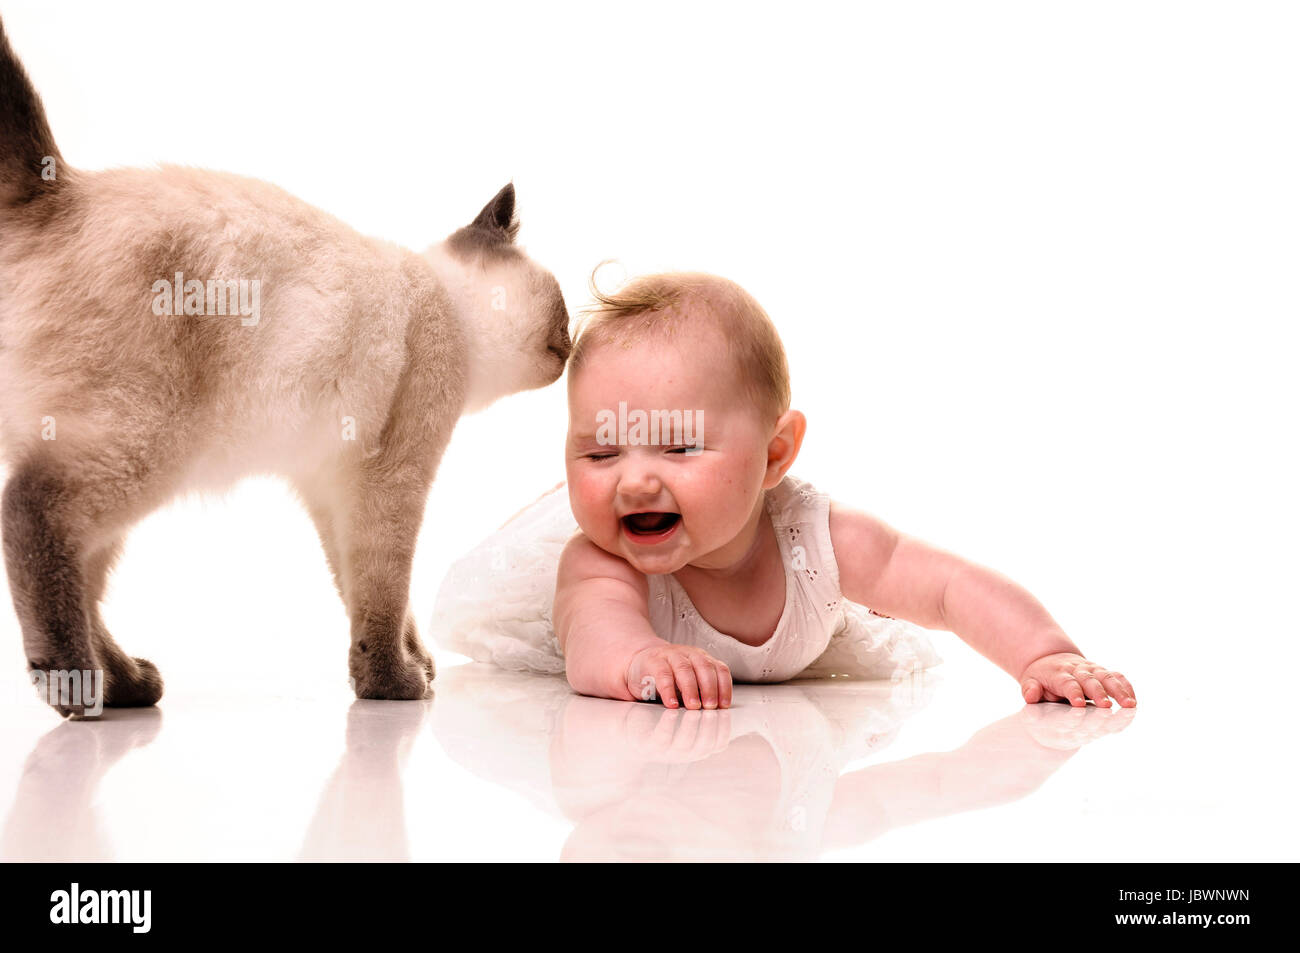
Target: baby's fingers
[(684, 675), (1119, 687), (666, 687), (1032, 689), (724, 685), (707, 676), (1070, 689), (1096, 691), (1060, 687)]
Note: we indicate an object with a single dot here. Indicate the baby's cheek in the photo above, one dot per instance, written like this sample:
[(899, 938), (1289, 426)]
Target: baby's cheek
[(591, 512)]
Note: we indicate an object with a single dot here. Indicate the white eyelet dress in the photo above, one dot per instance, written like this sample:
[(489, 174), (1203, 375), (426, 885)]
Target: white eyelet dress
[(495, 603)]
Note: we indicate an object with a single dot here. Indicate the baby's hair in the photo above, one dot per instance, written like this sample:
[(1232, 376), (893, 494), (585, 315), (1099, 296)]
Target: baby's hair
[(660, 305)]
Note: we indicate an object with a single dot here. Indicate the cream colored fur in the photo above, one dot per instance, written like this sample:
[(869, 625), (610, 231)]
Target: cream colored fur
[(348, 383)]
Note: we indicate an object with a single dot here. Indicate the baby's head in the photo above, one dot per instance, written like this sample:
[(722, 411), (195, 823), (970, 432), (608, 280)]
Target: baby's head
[(679, 410)]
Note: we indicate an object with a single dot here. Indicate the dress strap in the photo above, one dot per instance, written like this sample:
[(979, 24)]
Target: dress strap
[(801, 517)]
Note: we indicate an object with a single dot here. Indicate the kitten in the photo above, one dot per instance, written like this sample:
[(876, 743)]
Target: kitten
[(175, 329)]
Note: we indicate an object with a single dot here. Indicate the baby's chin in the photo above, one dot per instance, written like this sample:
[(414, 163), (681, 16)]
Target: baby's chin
[(654, 565)]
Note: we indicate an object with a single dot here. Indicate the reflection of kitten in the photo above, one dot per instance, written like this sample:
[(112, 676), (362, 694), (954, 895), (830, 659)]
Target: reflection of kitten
[(347, 379)]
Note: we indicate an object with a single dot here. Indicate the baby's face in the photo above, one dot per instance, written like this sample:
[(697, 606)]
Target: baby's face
[(691, 505)]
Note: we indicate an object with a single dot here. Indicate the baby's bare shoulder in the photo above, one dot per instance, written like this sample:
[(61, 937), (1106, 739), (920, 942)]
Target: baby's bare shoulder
[(582, 561), (859, 530)]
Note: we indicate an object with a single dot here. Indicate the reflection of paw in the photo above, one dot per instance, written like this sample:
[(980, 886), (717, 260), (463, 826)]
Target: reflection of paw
[(379, 734), (70, 750), (1066, 728), (122, 731)]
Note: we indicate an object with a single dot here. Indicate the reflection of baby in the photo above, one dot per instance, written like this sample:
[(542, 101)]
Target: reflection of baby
[(699, 560), (639, 782), (642, 783)]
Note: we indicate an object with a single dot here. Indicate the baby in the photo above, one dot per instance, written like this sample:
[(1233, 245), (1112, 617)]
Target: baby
[(698, 561)]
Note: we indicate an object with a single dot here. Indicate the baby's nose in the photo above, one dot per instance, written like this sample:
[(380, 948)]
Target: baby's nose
[(638, 479)]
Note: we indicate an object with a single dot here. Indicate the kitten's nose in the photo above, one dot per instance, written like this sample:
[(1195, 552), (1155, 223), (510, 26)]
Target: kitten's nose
[(562, 346)]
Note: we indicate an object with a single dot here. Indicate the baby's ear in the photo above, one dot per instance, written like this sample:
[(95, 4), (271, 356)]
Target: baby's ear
[(498, 216)]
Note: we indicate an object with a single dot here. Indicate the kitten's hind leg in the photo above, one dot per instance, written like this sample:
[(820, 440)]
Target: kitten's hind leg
[(47, 581), (128, 682)]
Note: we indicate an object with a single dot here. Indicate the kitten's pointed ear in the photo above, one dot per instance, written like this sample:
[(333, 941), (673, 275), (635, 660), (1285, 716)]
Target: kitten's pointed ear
[(499, 214)]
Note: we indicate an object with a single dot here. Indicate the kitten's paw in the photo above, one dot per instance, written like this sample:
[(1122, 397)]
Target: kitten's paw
[(78, 712), (134, 685), (417, 651), (73, 688), (395, 677)]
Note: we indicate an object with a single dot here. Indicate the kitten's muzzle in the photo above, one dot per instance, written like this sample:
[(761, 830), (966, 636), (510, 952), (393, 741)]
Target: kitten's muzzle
[(561, 348)]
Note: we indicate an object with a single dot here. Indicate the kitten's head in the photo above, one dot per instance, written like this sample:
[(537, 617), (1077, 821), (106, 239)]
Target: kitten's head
[(516, 323)]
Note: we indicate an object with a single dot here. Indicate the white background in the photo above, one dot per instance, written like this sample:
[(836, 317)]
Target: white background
[(1034, 264)]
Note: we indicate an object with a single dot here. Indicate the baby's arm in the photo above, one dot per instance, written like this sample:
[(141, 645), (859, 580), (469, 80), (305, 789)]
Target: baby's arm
[(602, 621), (903, 577)]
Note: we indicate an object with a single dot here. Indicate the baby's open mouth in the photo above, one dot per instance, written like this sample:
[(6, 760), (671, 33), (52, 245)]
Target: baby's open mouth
[(648, 524)]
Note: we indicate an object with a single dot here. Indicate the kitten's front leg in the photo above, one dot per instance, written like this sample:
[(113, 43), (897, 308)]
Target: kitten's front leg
[(322, 515), (386, 659)]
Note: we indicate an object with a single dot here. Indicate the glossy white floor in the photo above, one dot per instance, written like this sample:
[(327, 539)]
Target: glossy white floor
[(502, 766)]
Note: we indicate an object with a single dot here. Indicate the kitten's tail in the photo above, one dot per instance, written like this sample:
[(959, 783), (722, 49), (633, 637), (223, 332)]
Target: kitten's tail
[(30, 163)]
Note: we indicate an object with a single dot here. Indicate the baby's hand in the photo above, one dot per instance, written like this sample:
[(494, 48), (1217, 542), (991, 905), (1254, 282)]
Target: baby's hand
[(664, 671), (1065, 676)]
